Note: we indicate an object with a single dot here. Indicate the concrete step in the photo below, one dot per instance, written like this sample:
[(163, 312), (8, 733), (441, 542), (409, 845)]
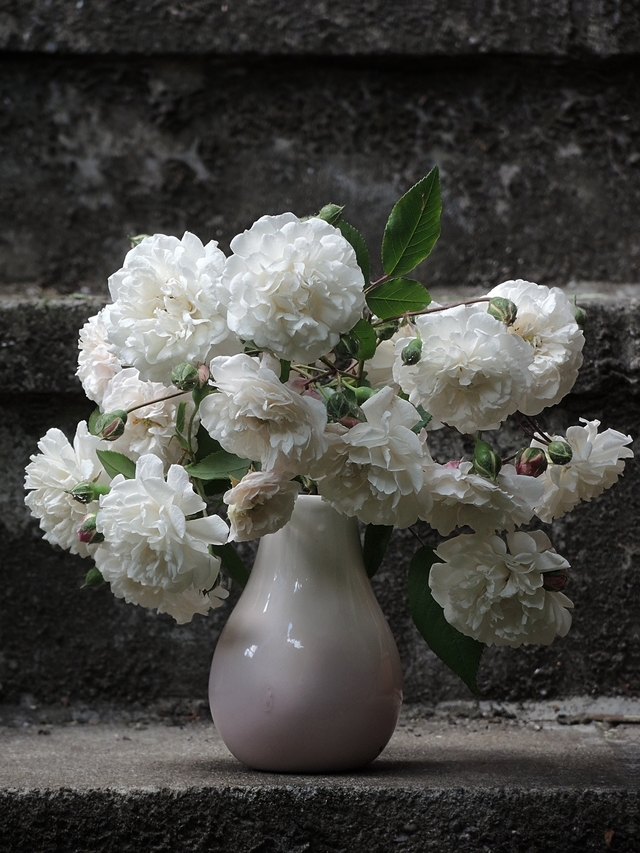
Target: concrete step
[(456, 778)]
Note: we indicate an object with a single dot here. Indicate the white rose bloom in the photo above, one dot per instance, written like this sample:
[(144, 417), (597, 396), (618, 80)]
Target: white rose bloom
[(596, 464), (462, 498), (258, 417), (292, 287), (374, 470), (150, 428), (546, 321), (261, 503), (58, 467), (472, 373), (97, 365), (495, 594), (181, 605), (148, 535), (379, 369), (166, 307)]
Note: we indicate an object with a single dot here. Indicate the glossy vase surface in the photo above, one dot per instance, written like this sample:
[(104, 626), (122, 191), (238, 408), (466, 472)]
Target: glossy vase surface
[(306, 676)]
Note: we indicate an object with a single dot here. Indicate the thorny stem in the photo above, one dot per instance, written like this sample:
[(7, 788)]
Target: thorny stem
[(432, 310), (526, 429), (373, 284)]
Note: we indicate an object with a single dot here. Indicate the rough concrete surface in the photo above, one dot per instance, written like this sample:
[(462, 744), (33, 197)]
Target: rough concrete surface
[(59, 643), (370, 27), (540, 163), (463, 779)]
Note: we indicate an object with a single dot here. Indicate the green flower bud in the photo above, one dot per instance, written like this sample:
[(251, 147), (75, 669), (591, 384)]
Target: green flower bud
[(363, 393), (185, 377), (338, 406), (559, 452), (531, 461), (87, 532), (555, 581), (87, 492), (110, 425), (503, 309), (486, 461), (412, 352), (331, 213), (387, 330), (580, 314)]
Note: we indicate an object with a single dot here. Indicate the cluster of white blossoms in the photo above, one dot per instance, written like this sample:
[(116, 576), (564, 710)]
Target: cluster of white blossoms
[(235, 382)]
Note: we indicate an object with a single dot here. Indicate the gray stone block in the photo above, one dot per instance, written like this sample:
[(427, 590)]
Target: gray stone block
[(58, 642), (540, 163), (287, 27)]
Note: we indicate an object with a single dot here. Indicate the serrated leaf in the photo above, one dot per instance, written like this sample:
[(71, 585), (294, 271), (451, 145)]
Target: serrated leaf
[(376, 539), (117, 463), (396, 297), (366, 335), (360, 247), (232, 563), (460, 653), (93, 417), (206, 444), (413, 226), (331, 213), (220, 465)]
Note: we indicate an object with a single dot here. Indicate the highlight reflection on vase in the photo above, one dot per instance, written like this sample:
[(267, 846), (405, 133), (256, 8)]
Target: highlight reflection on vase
[(306, 676)]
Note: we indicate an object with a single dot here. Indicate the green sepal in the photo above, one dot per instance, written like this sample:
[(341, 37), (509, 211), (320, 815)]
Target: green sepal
[(220, 465), (460, 653), (93, 579), (413, 226), (397, 297), (330, 213), (93, 420), (353, 236), (117, 463), (231, 562), (376, 539)]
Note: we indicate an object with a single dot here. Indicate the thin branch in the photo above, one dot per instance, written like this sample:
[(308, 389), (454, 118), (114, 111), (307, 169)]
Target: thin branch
[(432, 310)]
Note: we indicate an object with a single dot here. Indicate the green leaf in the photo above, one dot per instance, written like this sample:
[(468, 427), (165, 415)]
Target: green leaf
[(360, 247), (376, 539), (425, 417), (231, 563), (413, 226), (396, 297), (206, 444), (93, 579), (460, 653), (180, 418), (117, 463), (93, 419), (216, 487), (365, 333), (285, 370), (331, 213), (219, 466)]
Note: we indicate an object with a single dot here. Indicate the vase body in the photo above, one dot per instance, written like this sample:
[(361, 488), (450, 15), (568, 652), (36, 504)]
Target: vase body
[(306, 676)]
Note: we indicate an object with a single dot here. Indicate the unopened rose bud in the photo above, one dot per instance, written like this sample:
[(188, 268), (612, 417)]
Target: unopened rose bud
[(412, 352), (203, 374), (86, 492), (331, 213), (363, 393), (87, 532), (580, 315), (349, 422), (503, 309), (338, 406), (110, 425), (531, 462), (555, 581), (185, 377), (559, 452), (387, 330), (486, 461)]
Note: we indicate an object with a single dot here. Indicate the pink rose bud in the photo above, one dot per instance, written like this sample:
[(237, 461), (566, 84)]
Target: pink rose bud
[(110, 425), (87, 532), (531, 461)]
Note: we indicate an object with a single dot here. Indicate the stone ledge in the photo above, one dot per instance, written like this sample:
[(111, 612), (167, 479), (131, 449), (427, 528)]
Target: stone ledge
[(287, 27), (463, 784)]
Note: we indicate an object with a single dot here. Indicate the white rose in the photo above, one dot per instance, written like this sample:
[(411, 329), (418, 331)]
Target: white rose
[(183, 606), (51, 473), (546, 321), (496, 594), (148, 429), (374, 470), (292, 287), (261, 503), (150, 535), (97, 365), (471, 373), (258, 417), (596, 464), (462, 498), (166, 307)]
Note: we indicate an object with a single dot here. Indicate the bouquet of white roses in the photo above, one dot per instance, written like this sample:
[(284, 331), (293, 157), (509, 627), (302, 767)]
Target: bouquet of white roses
[(224, 386)]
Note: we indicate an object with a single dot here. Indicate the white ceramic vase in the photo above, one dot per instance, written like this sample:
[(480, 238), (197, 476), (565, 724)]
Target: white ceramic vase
[(306, 676)]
